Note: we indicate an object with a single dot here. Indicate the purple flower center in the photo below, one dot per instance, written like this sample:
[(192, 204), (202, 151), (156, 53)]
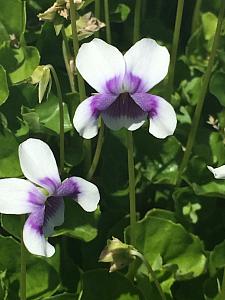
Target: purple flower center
[(124, 106)]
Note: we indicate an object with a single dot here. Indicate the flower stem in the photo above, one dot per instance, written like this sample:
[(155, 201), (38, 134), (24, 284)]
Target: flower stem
[(151, 272), (67, 57), (196, 15), (222, 293), (132, 196), (107, 22), (81, 85), (61, 116), (176, 37), (101, 131), (137, 17), (97, 14), (199, 106), (73, 13), (97, 152), (22, 265)]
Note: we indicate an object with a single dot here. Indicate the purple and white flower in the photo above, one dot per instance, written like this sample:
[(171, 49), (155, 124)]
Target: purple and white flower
[(122, 83), (41, 196)]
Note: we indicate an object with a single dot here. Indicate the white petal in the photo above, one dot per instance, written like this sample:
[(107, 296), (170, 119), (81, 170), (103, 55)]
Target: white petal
[(85, 119), (148, 61), (19, 196), (82, 191), (33, 236), (163, 122), (98, 63), (219, 173), (38, 164)]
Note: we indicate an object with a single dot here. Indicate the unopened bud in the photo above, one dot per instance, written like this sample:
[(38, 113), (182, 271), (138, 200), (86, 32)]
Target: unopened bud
[(118, 254)]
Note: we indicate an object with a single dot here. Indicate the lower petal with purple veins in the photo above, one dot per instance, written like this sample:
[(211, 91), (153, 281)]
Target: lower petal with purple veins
[(162, 116), (33, 234), (53, 215), (124, 112), (86, 116), (82, 191)]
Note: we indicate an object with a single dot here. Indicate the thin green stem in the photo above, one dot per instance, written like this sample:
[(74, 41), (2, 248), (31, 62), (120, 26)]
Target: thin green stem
[(67, 57), (22, 265), (61, 116), (222, 293), (199, 106), (176, 37), (81, 85), (73, 14), (132, 196), (196, 15), (151, 272), (107, 22), (97, 14), (97, 152), (137, 18)]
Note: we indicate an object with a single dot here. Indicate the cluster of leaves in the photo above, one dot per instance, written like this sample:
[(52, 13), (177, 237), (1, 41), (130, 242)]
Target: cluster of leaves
[(180, 229)]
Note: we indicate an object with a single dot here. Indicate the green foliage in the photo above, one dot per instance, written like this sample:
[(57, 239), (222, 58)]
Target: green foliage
[(181, 228)]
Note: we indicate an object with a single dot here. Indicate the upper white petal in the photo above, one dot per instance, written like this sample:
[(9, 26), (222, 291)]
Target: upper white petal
[(38, 164), (149, 61), (164, 122), (219, 173), (19, 196), (99, 62)]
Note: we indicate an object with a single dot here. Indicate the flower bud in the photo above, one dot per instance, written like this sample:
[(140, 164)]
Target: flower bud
[(117, 253)]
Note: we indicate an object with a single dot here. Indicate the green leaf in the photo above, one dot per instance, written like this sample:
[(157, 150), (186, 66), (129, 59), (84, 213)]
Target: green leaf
[(216, 142), (42, 279), (9, 162), (209, 22), (177, 247), (217, 87), (48, 113), (78, 223), (19, 63), (211, 189), (64, 296), (217, 258), (159, 162), (13, 16), (120, 14), (100, 284), (12, 224), (4, 90)]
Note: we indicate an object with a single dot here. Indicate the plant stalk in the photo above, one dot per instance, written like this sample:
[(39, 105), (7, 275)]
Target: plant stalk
[(199, 106), (81, 85), (61, 116), (151, 272), (196, 16), (132, 196), (176, 38), (67, 57), (97, 152), (80, 80), (22, 265), (97, 14), (107, 22), (222, 293), (137, 18)]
